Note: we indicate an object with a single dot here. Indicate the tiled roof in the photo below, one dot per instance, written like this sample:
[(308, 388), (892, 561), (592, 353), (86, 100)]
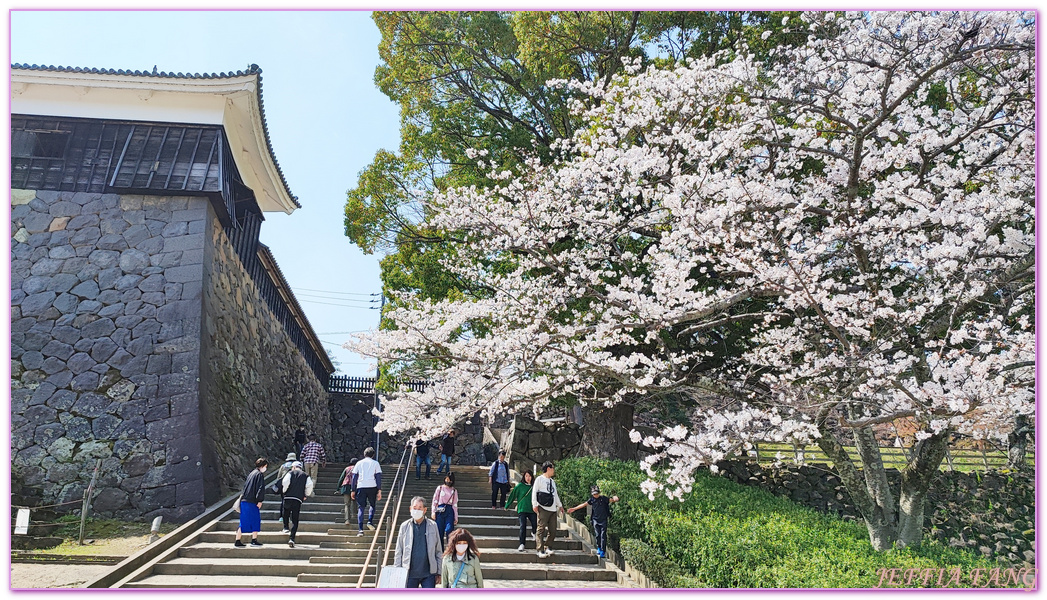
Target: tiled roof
[(251, 70)]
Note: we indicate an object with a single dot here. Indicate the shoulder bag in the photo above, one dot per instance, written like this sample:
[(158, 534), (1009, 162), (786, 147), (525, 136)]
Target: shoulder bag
[(459, 575)]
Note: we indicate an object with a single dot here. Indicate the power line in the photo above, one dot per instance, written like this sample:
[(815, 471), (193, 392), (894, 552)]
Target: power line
[(334, 292), (342, 305), (322, 297)]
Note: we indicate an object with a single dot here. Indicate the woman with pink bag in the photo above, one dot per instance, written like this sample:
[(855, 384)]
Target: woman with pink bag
[(345, 489)]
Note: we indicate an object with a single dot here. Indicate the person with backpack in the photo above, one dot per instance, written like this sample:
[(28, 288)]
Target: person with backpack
[(546, 501), (445, 506), (601, 513), (345, 488), (461, 564), (277, 486), (521, 494), (498, 477), (297, 487)]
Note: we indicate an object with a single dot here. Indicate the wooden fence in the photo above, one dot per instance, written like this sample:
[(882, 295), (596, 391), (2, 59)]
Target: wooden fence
[(365, 385), (956, 459)]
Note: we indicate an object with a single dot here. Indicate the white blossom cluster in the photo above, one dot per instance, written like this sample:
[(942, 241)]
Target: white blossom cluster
[(865, 200)]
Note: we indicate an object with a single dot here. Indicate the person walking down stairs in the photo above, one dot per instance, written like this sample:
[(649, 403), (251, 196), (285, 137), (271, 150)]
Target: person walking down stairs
[(418, 548), (297, 487), (251, 499), (445, 506), (446, 452), (498, 477), (521, 494), (601, 513), (546, 501), (461, 564)]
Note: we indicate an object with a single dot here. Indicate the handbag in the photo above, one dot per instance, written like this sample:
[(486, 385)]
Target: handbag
[(459, 575), (546, 498)]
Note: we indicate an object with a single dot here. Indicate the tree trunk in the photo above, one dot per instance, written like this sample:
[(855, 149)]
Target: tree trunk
[(916, 480), (1017, 442), (606, 432)]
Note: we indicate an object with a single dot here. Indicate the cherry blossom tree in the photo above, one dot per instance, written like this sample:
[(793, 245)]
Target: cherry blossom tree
[(861, 208)]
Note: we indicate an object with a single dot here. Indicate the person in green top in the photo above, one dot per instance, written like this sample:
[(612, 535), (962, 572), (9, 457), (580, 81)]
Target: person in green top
[(521, 494)]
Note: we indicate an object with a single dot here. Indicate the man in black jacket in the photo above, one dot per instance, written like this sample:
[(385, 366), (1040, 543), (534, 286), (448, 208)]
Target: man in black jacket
[(447, 452), (297, 486), (251, 504)]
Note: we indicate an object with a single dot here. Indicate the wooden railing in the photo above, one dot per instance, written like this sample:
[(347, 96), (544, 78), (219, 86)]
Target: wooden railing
[(956, 459), (346, 384)]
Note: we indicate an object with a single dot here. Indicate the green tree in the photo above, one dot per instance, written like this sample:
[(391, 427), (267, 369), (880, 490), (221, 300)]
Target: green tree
[(478, 82)]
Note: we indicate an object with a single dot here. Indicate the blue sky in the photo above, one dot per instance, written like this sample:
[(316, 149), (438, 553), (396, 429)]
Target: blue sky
[(326, 120)]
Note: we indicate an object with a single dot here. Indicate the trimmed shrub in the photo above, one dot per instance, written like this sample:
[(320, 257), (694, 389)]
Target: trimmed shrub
[(659, 569), (726, 535)]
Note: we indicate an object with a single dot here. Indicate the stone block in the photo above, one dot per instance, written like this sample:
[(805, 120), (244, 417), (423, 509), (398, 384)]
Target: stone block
[(175, 229), (36, 304), (86, 236), (40, 414), (87, 289), (121, 391), (104, 259), (112, 311), (32, 360), (110, 226), (136, 234), (151, 246), (85, 271), (37, 283), (133, 261), (109, 500), (84, 381), (184, 273), (103, 350), (131, 428), (61, 378), (134, 366), (90, 404), (64, 209), (153, 283), (157, 412), (58, 224), (36, 222), (88, 307), (82, 221), (107, 279), (61, 252), (57, 349), (189, 492), (159, 363), (142, 345), (62, 400), (103, 427), (62, 282), (154, 298), (48, 266), (98, 329), (182, 243), (127, 282)]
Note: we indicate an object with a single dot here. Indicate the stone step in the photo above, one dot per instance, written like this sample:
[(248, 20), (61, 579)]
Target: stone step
[(499, 555), (231, 581), (211, 550), (561, 542), (247, 566), (542, 570), (275, 537)]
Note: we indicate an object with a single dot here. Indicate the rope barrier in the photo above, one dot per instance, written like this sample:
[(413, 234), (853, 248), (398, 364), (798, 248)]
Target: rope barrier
[(48, 505)]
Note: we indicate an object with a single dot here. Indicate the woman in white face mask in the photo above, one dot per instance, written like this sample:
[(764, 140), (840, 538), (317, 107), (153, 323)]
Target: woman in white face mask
[(461, 564)]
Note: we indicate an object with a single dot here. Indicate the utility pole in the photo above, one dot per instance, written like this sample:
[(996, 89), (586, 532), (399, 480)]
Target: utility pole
[(377, 376)]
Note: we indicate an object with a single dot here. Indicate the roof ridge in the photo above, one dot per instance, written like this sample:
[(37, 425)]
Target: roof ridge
[(252, 69)]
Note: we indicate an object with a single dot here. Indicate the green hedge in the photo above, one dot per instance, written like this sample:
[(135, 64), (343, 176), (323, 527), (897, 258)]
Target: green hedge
[(662, 571), (727, 535)]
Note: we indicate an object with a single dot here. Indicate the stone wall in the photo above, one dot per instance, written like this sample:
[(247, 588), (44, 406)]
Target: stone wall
[(352, 426), (105, 323), (991, 513), (255, 386), (530, 442)]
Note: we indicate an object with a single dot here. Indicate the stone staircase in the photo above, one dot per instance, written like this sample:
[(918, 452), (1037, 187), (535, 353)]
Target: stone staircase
[(329, 553)]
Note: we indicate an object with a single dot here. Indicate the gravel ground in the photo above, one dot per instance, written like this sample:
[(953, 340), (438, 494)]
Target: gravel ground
[(30, 575)]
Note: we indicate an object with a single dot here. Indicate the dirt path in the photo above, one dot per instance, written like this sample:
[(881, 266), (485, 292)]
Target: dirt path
[(30, 575)]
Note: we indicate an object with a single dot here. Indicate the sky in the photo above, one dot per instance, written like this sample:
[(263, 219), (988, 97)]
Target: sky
[(325, 116)]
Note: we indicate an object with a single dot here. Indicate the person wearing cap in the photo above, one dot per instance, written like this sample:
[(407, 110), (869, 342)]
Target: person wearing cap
[(278, 485), (297, 487), (600, 514), (498, 477)]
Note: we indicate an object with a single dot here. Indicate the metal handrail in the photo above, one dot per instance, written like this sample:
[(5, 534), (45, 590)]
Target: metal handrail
[(399, 503), (400, 470)]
